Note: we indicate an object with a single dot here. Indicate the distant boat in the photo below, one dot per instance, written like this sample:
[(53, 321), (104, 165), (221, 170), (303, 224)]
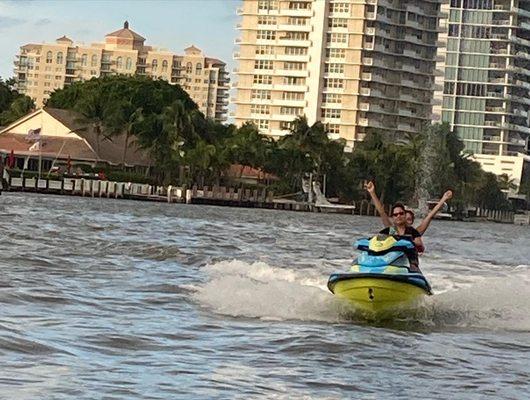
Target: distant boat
[(323, 205)]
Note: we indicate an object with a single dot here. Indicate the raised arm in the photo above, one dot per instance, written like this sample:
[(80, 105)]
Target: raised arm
[(427, 220), (370, 188)]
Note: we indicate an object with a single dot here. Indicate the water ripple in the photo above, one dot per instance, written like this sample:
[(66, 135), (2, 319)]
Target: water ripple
[(104, 298)]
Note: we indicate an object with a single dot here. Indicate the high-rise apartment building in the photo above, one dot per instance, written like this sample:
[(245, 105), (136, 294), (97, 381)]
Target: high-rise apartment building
[(486, 86), (355, 65), (42, 68)]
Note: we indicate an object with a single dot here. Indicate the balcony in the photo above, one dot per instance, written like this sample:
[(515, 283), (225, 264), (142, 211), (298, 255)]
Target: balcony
[(289, 103), (294, 28), (365, 92), (368, 45), (366, 76), (303, 12), (363, 121), (406, 128), (292, 72), (364, 106), (370, 31), (291, 57), (368, 61), (239, 11), (284, 41), (290, 88)]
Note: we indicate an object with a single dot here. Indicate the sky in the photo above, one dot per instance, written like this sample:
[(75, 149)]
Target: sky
[(171, 24)]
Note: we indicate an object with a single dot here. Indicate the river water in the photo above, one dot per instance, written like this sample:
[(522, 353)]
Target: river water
[(114, 299)]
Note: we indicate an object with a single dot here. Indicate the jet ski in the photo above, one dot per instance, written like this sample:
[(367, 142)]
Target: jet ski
[(382, 278)]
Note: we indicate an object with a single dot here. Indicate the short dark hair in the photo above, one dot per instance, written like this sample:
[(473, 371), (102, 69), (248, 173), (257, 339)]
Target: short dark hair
[(411, 213), (397, 205)]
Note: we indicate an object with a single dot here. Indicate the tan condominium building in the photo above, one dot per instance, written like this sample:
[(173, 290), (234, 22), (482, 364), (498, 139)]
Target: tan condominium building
[(42, 68), (355, 65)]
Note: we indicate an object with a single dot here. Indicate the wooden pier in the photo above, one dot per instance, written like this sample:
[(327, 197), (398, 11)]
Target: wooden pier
[(215, 195)]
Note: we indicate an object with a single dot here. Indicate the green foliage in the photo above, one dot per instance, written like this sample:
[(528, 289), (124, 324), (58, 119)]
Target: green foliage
[(13, 105), (188, 148)]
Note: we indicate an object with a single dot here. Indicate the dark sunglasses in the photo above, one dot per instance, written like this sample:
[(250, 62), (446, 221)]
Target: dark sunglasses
[(398, 214)]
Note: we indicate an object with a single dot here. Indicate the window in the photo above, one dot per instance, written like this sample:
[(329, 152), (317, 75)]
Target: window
[(262, 123), (337, 38), (334, 83), (164, 66), (262, 64), (297, 21), (296, 36), (333, 128), (299, 5), (296, 51), (263, 79), (332, 98), (84, 60), (296, 66), (334, 68), (267, 4), (49, 57), (339, 8), (189, 68), (266, 20), (291, 110), (293, 96), (330, 113), (154, 65), (291, 80), (264, 50), (449, 87), (259, 109), (287, 125), (335, 53), (261, 94), (266, 35), (119, 62), (60, 57), (94, 61), (337, 23), (128, 63)]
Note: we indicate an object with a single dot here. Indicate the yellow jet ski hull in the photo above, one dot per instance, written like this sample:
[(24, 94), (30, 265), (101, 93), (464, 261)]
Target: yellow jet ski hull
[(377, 296)]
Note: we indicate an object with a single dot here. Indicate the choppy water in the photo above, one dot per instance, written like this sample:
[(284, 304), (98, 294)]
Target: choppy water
[(120, 300)]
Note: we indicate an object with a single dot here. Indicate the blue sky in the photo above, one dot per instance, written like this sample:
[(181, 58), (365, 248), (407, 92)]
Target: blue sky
[(171, 24)]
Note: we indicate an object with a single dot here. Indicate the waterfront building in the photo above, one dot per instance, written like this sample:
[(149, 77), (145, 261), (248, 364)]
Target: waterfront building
[(50, 137), (354, 65), (42, 68), (485, 91)]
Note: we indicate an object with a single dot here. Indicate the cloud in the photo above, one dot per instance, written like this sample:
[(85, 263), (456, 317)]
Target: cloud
[(8, 22), (42, 22)]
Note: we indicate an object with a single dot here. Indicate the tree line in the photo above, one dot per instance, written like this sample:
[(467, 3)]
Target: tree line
[(13, 104), (187, 148)]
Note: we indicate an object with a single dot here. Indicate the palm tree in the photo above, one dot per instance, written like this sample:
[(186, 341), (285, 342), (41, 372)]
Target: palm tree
[(92, 107), (199, 160), (124, 117)]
